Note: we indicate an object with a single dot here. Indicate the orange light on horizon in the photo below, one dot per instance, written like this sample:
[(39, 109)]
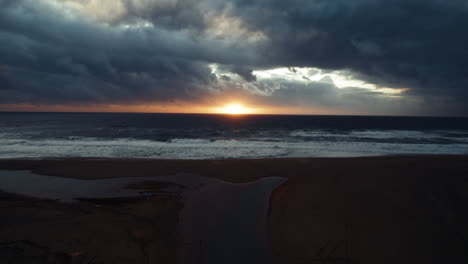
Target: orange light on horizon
[(229, 107), (234, 109)]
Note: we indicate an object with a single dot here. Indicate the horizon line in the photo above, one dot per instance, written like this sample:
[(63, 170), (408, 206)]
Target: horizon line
[(224, 114)]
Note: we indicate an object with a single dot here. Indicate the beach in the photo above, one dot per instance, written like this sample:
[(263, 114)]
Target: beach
[(387, 209), (233, 132)]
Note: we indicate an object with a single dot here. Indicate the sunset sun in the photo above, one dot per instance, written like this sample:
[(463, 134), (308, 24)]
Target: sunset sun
[(234, 109)]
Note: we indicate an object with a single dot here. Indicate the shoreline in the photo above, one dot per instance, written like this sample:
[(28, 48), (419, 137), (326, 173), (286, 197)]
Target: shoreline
[(224, 169)]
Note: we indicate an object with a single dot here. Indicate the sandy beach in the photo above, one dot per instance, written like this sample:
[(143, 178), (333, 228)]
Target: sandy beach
[(390, 209), (233, 132)]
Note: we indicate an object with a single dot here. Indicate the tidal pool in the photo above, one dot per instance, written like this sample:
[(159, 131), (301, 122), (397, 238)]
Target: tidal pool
[(69, 190), (220, 222)]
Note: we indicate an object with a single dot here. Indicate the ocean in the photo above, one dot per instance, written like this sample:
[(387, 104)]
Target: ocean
[(205, 136)]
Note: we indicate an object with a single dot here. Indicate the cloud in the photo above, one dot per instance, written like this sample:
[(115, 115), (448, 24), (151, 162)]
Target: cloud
[(133, 51), (412, 44), (368, 48), (245, 73), (69, 58)]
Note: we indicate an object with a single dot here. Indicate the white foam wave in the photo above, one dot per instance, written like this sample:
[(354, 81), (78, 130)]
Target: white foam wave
[(206, 149)]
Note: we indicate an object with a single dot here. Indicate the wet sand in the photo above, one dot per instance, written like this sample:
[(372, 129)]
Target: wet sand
[(401, 209)]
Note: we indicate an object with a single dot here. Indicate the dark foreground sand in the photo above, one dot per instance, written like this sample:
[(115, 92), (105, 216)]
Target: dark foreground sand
[(402, 209)]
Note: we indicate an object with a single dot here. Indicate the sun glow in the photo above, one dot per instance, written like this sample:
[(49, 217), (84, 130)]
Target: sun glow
[(234, 109)]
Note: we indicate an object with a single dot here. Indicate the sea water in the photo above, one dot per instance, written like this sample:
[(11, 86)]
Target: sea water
[(197, 136)]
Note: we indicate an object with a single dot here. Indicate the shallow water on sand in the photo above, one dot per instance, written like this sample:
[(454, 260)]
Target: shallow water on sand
[(226, 223), (67, 189), (221, 222)]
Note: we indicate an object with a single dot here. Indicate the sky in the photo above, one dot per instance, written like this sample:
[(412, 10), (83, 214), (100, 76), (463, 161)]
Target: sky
[(362, 57)]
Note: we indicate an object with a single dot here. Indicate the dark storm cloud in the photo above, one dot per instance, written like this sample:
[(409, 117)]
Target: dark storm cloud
[(245, 73), (418, 44), (160, 50), (172, 14), (52, 57)]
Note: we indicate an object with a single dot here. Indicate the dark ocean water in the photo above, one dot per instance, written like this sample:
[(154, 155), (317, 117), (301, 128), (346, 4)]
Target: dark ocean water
[(191, 136)]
